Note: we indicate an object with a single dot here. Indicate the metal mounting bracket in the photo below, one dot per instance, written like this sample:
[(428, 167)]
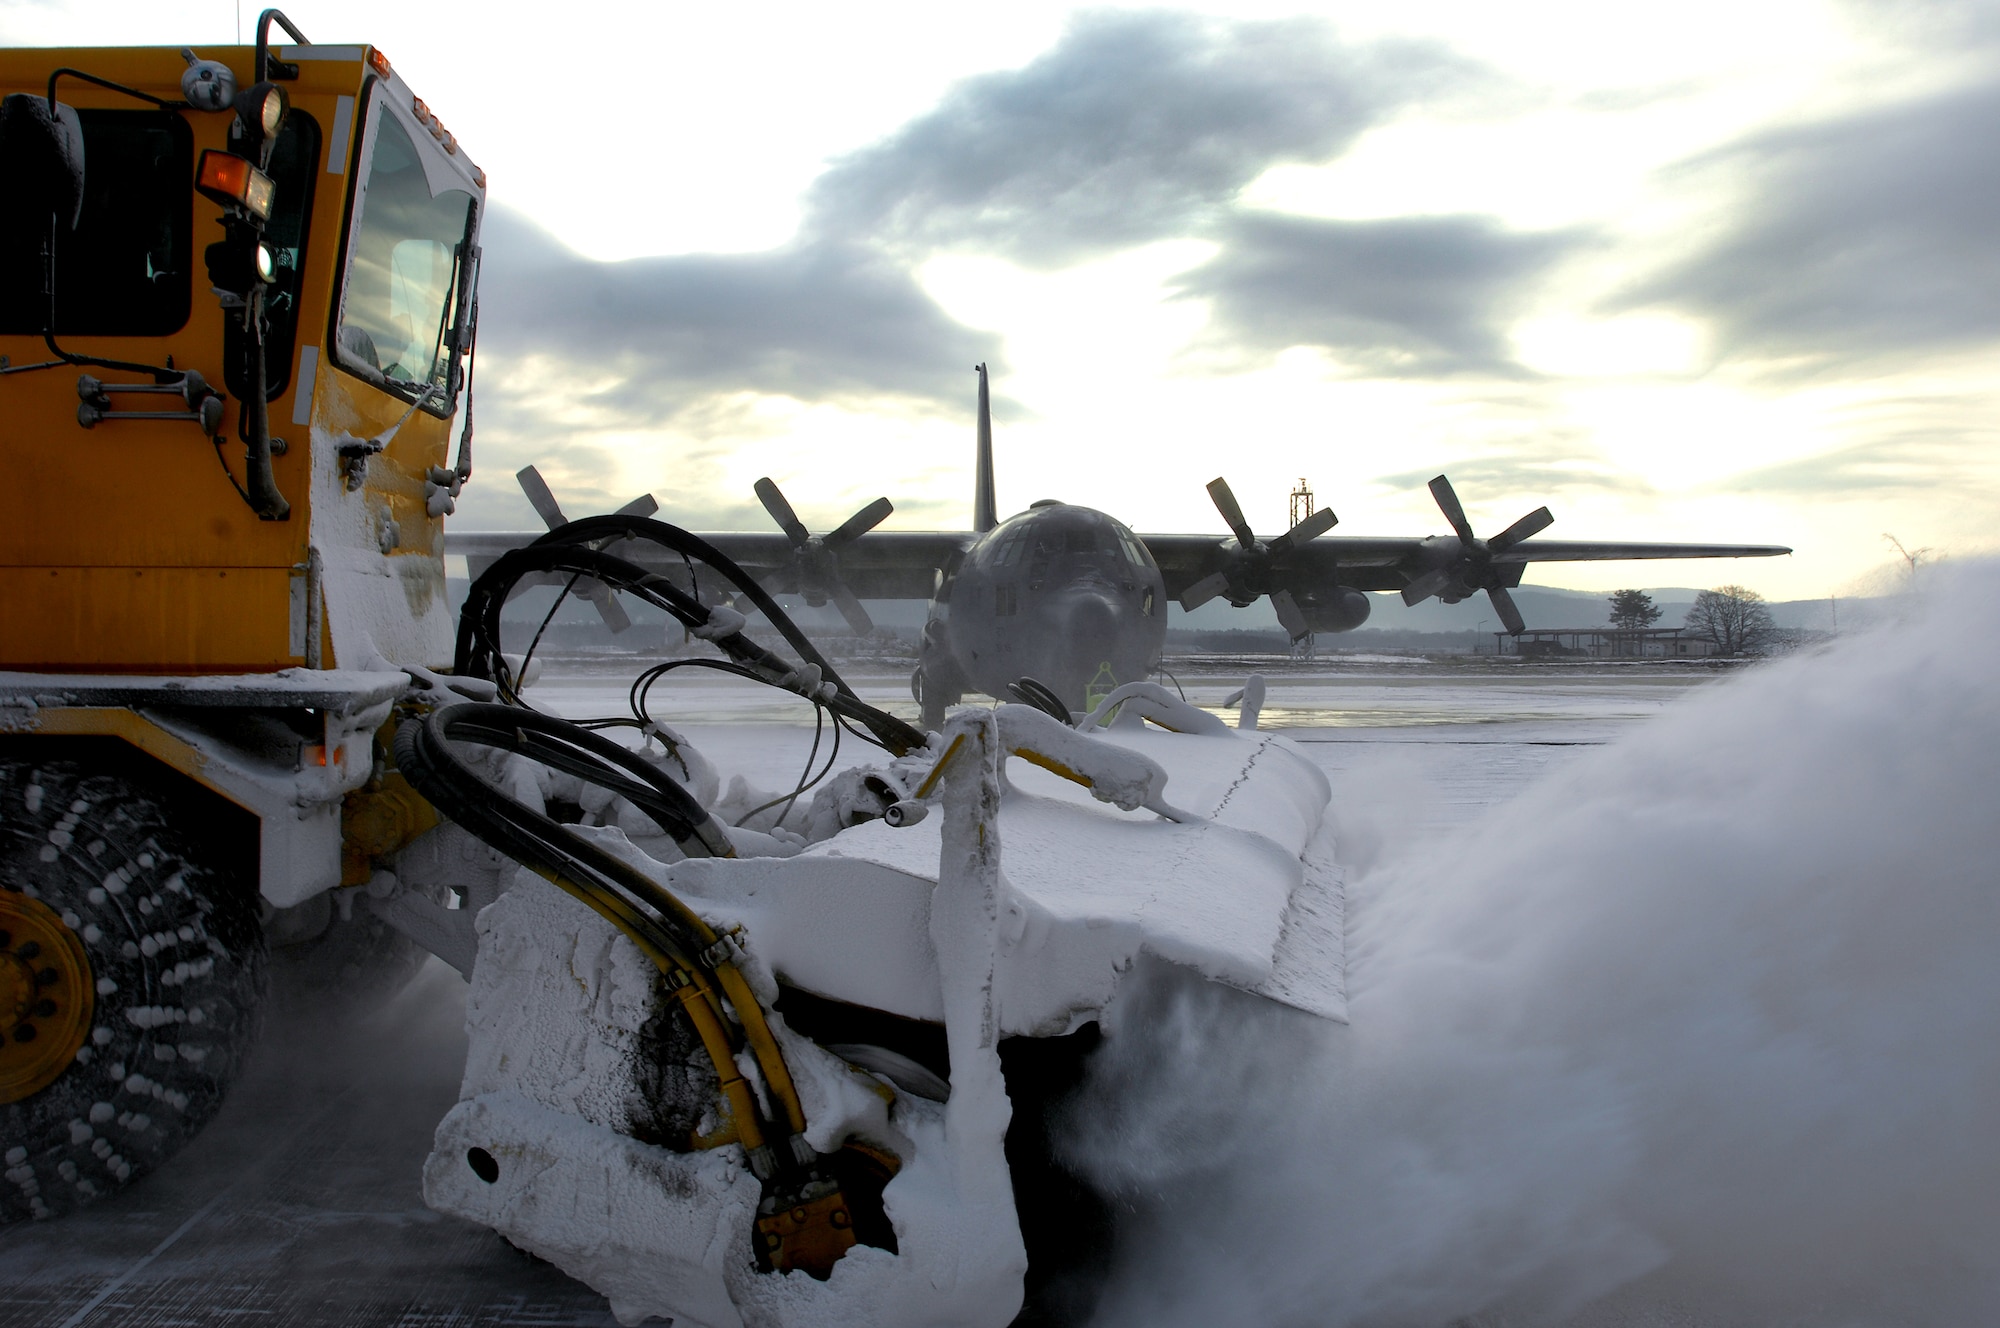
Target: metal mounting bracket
[(204, 403)]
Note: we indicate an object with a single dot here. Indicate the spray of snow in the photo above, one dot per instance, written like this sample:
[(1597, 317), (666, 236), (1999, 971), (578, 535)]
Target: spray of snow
[(1708, 1016)]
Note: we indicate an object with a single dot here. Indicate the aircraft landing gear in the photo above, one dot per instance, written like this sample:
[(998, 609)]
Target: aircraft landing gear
[(936, 683)]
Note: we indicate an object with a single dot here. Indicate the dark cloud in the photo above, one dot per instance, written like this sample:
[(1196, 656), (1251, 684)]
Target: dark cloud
[(1135, 127), (1871, 237), (1416, 295), (816, 322)]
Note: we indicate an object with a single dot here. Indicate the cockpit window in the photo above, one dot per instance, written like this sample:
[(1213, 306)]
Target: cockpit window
[(406, 256), (1010, 544), (1135, 552)]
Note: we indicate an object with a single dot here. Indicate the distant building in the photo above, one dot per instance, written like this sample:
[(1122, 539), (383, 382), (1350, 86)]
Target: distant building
[(1604, 643)]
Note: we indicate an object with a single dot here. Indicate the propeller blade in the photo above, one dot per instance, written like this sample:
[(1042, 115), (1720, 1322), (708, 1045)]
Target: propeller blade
[(611, 611), (1204, 590), (1225, 503), (850, 608), (1533, 523), (1430, 583), (781, 511), (1311, 528), (1447, 502), (644, 505), (1289, 615), (540, 498), (860, 523), (1503, 604)]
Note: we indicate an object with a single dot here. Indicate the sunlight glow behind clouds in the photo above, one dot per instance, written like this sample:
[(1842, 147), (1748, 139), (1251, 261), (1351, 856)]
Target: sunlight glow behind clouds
[(1636, 344)]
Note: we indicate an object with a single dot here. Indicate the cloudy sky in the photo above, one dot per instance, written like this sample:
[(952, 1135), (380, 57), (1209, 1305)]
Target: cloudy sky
[(1717, 271)]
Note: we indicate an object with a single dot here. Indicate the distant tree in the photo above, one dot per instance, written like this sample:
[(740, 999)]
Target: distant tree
[(1633, 609), (1734, 619)]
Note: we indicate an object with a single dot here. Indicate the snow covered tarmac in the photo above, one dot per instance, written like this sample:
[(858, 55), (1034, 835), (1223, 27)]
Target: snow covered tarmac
[(300, 1204)]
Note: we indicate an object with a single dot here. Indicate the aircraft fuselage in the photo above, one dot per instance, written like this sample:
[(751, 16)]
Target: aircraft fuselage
[(1065, 595)]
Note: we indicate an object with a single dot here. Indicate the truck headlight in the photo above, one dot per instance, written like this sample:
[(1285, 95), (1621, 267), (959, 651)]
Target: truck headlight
[(262, 111)]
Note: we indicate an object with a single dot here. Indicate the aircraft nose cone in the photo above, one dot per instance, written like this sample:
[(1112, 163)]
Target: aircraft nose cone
[(1093, 646), (1090, 624)]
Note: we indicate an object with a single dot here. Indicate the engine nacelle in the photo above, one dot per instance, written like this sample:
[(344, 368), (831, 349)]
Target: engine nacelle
[(1339, 609)]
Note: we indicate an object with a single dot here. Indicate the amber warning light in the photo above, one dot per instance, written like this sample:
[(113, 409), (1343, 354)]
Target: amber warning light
[(228, 178)]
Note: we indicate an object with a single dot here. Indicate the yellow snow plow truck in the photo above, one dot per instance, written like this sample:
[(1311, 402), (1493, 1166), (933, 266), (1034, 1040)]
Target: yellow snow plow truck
[(729, 1063), (235, 318)]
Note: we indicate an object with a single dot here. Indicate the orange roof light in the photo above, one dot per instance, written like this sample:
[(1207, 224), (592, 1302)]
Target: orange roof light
[(378, 62), (429, 121), (228, 178)]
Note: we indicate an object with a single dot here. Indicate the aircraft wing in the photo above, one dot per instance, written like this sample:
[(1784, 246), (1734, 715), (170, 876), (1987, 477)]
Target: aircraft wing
[(1363, 562), (899, 564), (882, 564), (1590, 551)]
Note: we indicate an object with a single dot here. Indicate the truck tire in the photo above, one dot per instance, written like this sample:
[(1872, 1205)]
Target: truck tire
[(131, 978)]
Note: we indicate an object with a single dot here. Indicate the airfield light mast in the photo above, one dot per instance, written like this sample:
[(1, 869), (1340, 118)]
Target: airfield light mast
[(1302, 502), (1302, 507)]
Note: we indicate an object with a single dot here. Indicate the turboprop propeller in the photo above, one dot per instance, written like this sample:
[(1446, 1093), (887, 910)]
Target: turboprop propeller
[(1253, 566), (816, 558), (543, 500), (1474, 567)]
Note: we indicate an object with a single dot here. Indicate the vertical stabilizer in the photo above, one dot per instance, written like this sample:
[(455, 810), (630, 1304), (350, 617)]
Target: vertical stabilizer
[(985, 515)]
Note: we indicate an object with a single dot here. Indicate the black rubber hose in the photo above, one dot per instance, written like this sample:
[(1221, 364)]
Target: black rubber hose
[(568, 549), (679, 941), (479, 627), (690, 545), (627, 897), (590, 756)]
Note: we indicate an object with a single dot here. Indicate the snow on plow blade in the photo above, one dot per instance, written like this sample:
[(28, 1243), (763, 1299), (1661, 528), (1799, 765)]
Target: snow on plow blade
[(588, 1125)]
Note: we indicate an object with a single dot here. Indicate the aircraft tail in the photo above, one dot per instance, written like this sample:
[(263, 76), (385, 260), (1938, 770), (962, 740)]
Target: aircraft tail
[(985, 514)]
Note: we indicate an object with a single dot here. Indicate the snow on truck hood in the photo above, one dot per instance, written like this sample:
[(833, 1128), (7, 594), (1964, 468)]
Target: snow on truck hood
[(1246, 892)]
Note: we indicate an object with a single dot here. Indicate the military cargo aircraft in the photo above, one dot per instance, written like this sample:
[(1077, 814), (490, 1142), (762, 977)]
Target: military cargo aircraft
[(1071, 598)]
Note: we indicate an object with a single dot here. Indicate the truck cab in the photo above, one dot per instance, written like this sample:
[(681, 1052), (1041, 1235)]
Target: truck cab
[(131, 535)]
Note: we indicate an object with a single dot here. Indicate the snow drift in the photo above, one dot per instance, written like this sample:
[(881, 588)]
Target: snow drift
[(1711, 1011)]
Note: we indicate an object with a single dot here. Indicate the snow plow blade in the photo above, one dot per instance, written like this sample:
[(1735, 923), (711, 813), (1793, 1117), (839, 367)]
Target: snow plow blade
[(889, 961)]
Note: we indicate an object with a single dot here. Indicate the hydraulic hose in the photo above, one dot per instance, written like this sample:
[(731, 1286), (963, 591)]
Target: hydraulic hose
[(677, 940), (566, 550), (894, 734)]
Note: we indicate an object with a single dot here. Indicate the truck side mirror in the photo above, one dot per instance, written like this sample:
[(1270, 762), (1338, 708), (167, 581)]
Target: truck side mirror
[(41, 156)]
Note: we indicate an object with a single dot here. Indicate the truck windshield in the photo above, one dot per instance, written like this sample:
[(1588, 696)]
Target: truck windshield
[(124, 270), (403, 267)]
